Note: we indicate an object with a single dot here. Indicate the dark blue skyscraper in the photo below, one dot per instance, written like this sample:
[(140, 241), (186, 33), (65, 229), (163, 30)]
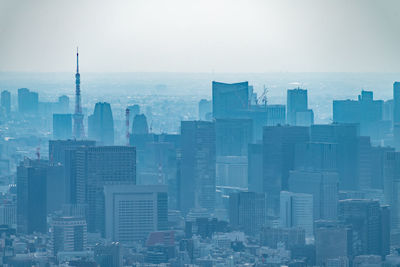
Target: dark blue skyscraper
[(228, 99)]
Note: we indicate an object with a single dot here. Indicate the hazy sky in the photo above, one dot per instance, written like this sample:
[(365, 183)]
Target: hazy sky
[(200, 35)]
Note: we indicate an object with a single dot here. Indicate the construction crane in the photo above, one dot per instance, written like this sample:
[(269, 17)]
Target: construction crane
[(263, 97)]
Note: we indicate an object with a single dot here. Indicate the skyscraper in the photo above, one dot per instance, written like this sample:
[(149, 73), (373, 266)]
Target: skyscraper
[(396, 98), (197, 178), (31, 197), (139, 125), (101, 124), (62, 126), (228, 99), (28, 102), (296, 102), (233, 136), (6, 101), (279, 144), (96, 167), (79, 130), (392, 186), (133, 211)]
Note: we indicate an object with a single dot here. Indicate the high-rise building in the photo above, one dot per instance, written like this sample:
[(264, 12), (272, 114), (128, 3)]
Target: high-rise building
[(101, 124), (369, 224), (255, 168), (396, 99), (346, 136), (63, 104), (276, 115), (197, 178), (323, 186), (247, 211), (133, 211), (62, 126), (233, 136), (366, 111), (205, 110), (67, 234), (316, 156), (28, 102), (297, 101), (96, 167), (392, 186), (228, 99), (296, 210), (58, 148), (31, 197), (8, 214), (279, 144), (139, 125), (6, 101)]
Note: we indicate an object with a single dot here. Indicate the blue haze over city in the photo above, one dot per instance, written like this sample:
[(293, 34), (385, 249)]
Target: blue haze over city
[(199, 133)]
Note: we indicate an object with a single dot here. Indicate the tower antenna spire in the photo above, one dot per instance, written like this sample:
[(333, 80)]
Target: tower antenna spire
[(77, 59)]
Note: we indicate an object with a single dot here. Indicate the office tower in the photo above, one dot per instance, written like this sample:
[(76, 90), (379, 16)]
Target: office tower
[(232, 136), (197, 177), (55, 183), (133, 211), (279, 144), (67, 234), (101, 124), (63, 104), (346, 136), (364, 163), (365, 218), (316, 156), (296, 102), (109, 255), (229, 99), (62, 126), (6, 101), (305, 118), (388, 109), (139, 125), (79, 130), (291, 237), (323, 186), (96, 167), (31, 197), (28, 102), (247, 211), (378, 159), (57, 149), (396, 104), (366, 111), (255, 168), (332, 242), (205, 110), (276, 115), (232, 171), (391, 186), (296, 210)]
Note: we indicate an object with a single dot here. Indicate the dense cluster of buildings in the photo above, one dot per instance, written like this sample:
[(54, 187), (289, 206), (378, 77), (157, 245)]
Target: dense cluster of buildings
[(247, 184)]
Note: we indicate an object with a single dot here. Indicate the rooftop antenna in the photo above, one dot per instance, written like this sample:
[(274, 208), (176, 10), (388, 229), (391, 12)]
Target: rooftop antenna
[(127, 125)]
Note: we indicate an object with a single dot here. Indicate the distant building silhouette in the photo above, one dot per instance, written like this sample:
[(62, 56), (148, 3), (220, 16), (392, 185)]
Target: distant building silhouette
[(229, 98), (139, 126), (205, 110), (233, 136), (6, 101), (28, 102), (63, 104), (101, 124), (62, 126), (297, 108)]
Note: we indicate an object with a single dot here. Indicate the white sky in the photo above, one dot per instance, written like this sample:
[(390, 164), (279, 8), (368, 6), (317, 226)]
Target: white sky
[(200, 35)]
